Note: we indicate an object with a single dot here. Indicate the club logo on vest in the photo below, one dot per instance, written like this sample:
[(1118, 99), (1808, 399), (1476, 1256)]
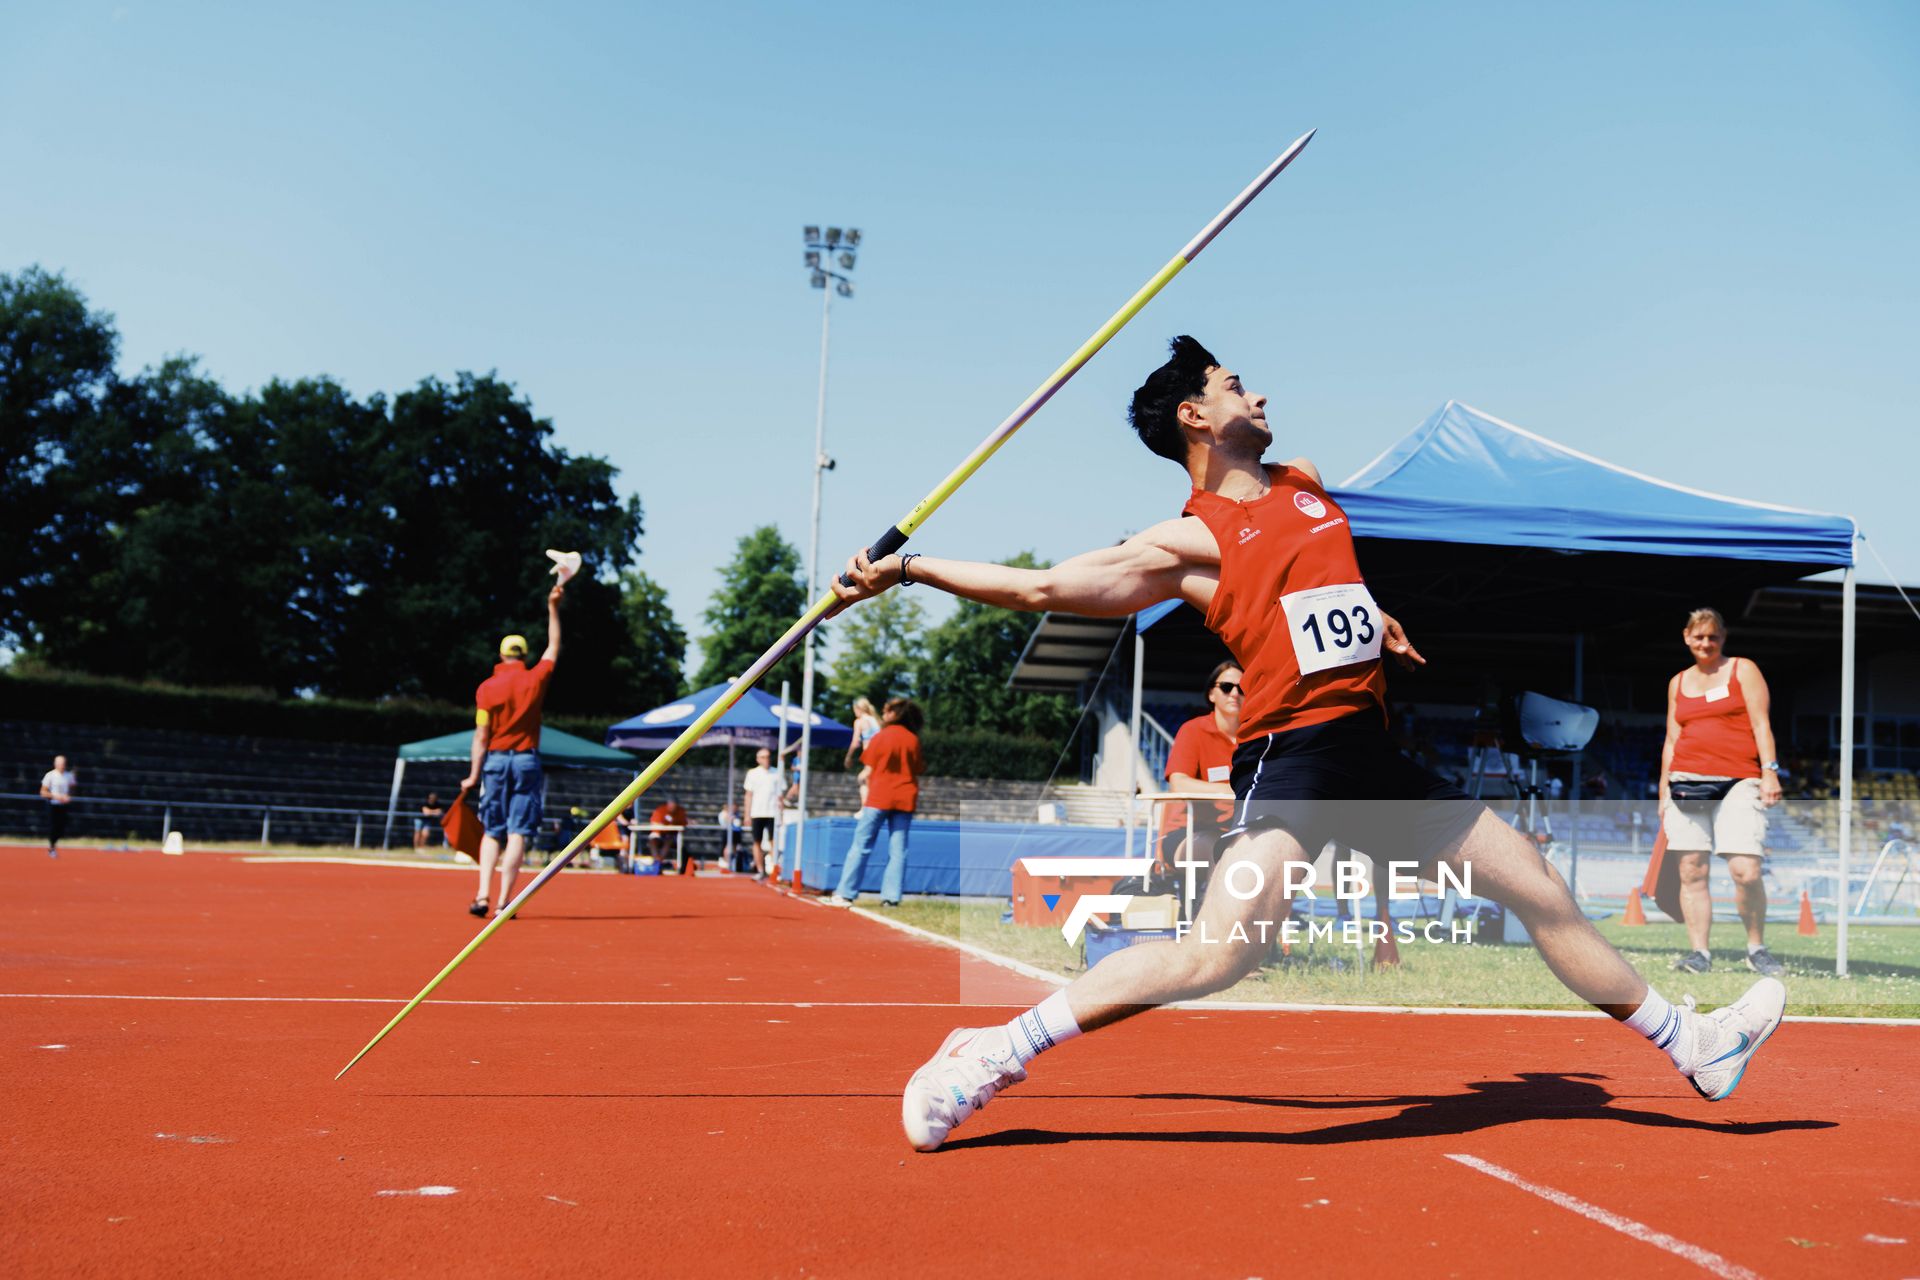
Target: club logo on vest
[(1248, 535), (1311, 506)]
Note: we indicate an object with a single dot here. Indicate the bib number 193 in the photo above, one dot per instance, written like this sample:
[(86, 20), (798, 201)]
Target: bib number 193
[(1332, 626)]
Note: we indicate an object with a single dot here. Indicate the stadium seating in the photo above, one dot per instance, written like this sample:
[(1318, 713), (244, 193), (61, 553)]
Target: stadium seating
[(128, 777)]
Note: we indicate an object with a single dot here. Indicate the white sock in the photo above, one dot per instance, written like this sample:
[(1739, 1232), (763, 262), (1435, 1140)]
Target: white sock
[(1755, 946), (1040, 1028), (1660, 1022)]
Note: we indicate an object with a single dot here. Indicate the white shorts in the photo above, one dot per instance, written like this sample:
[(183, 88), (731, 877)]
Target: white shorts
[(1735, 824)]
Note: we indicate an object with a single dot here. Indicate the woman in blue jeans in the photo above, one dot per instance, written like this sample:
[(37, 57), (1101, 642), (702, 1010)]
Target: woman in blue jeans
[(893, 789)]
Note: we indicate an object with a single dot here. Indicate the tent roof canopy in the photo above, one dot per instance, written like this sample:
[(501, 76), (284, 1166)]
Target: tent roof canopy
[(754, 720), (557, 747), (1465, 476), (1471, 526)]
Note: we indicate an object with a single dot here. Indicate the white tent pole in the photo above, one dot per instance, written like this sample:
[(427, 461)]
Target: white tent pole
[(393, 800), (1133, 747), (1578, 766), (779, 771), (1846, 765)]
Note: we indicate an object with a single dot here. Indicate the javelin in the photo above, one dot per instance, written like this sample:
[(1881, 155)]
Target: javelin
[(889, 542)]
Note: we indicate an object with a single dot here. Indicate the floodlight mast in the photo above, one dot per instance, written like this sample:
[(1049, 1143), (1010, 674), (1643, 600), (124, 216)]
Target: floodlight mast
[(824, 253)]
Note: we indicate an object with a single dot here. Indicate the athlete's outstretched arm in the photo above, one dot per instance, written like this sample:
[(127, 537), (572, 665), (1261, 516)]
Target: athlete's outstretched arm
[(1161, 563)]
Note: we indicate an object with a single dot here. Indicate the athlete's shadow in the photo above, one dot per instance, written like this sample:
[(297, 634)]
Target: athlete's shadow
[(1485, 1104)]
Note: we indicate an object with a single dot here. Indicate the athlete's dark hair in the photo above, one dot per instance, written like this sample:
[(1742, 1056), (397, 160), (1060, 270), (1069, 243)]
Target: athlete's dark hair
[(1222, 669), (1183, 377)]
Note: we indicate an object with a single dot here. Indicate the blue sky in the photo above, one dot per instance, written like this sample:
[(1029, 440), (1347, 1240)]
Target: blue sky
[(1679, 237)]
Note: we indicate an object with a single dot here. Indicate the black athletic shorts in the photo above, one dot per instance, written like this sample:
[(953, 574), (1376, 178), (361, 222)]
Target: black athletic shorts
[(762, 830), (1346, 781)]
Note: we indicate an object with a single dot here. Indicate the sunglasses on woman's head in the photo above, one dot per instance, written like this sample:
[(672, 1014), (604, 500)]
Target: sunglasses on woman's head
[(1226, 687)]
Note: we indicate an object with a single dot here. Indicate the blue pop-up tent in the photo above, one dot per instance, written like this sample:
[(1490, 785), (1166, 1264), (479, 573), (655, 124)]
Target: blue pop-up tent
[(756, 720), (1479, 528), (1467, 476)]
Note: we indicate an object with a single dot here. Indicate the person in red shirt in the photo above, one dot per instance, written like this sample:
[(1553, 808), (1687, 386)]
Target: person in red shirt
[(1720, 739), (506, 754), (1201, 760), (1266, 554), (666, 827), (893, 789)]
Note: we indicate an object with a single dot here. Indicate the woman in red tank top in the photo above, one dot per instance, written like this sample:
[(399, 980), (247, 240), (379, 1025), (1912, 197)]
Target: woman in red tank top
[(1720, 744)]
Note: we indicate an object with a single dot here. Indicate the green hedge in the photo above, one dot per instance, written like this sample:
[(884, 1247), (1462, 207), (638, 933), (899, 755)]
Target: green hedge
[(982, 753), (62, 697), (33, 693)]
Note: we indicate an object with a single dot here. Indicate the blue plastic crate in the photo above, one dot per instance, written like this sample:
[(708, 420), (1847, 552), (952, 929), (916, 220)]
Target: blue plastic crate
[(1102, 943)]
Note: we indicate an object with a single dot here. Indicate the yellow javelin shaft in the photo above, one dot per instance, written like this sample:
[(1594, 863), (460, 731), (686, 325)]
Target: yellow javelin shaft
[(892, 540)]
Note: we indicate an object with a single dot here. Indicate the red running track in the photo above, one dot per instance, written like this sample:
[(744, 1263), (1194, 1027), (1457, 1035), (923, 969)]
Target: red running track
[(736, 1115)]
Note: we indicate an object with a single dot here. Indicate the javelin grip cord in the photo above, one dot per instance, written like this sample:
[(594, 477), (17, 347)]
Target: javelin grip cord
[(883, 546)]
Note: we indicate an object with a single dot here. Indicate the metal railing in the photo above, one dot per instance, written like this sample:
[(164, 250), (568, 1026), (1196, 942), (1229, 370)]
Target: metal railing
[(94, 811), (1155, 745), (96, 817)]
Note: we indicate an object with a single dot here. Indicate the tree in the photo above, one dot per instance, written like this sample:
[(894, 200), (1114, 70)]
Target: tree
[(297, 539), (166, 582), (651, 670), (969, 658), (465, 493), (762, 592), (56, 364), (882, 652)]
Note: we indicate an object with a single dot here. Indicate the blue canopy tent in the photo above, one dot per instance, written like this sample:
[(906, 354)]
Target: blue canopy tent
[(757, 720), (1488, 540)]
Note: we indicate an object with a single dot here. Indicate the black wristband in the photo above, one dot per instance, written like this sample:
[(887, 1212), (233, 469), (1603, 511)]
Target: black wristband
[(906, 580)]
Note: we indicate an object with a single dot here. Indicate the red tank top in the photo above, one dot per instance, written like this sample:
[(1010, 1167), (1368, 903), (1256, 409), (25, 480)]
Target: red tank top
[(1716, 737), (1291, 601)]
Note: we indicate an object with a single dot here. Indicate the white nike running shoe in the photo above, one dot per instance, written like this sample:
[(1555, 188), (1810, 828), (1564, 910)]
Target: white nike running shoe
[(1725, 1040), (971, 1065)]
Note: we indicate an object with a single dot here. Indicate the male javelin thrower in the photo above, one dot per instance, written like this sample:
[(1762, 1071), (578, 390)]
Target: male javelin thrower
[(1267, 555)]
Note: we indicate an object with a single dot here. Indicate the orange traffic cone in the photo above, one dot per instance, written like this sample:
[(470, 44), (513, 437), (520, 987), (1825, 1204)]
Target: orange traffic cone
[(1635, 913), (1807, 926)]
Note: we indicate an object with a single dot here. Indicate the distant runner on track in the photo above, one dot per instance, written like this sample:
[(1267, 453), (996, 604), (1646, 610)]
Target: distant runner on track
[(1267, 555)]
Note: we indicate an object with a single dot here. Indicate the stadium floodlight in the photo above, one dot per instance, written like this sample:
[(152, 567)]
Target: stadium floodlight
[(853, 237), (833, 236), (845, 289), (892, 540), (812, 235), (819, 279), (813, 259), (846, 262)]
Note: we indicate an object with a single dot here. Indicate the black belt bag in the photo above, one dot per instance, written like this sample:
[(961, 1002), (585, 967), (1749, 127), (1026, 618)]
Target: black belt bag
[(1692, 792)]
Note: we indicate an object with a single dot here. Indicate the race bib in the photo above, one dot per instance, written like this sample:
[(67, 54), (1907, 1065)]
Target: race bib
[(1332, 626)]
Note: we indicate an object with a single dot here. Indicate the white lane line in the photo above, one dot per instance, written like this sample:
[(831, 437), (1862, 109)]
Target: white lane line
[(1705, 1259), (1277, 1006), (1274, 1006), (1187, 1006), (533, 1004), (420, 1191), (979, 953), (295, 859)]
